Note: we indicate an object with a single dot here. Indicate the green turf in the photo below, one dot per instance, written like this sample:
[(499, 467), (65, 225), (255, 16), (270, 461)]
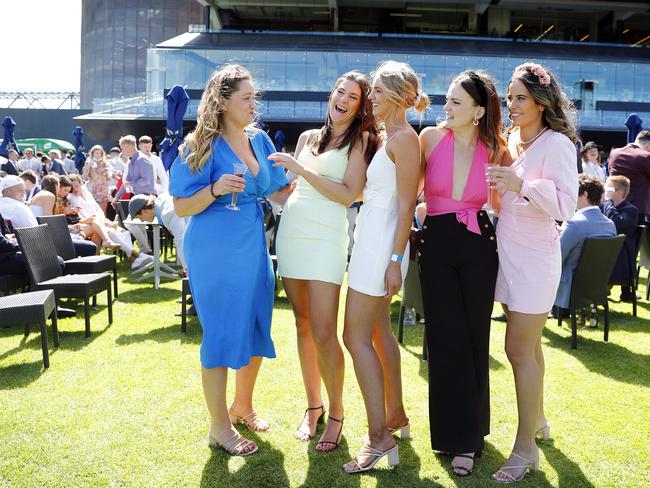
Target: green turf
[(125, 408)]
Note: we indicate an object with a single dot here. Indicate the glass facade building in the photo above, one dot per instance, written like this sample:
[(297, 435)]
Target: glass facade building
[(115, 35), (299, 72)]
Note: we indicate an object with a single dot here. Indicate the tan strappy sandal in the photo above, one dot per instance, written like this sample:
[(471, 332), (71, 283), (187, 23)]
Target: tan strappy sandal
[(235, 444), (529, 465), (253, 421)]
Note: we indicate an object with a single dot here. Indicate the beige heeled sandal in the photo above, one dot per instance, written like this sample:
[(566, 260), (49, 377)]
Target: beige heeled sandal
[(253, 421), (530, 465), (235, 445), (375, 455)]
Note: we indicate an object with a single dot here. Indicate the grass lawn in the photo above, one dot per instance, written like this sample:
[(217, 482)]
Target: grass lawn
[(125, 408)]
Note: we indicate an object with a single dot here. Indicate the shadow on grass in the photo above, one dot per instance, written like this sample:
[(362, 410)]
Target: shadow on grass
[(568, 472), (164, 334), (23, 373), (20, 375), (605, 358), (263, 468), (148, 294), (326, 469)]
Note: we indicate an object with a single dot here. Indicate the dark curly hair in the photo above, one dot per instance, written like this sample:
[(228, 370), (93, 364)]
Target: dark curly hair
[(593, 187)]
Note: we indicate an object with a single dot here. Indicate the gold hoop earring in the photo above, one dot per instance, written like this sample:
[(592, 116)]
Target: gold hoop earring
[(475, 122)]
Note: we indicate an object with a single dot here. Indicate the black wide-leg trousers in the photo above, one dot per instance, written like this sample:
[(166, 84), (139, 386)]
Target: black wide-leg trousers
[(458, 274)]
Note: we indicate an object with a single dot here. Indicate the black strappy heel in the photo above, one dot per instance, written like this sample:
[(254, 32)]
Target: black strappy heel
[(318, 421), (338, 436)]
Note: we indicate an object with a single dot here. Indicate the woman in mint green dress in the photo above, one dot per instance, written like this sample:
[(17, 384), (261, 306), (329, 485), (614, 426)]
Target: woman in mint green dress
[(312, 242), (229, 267)]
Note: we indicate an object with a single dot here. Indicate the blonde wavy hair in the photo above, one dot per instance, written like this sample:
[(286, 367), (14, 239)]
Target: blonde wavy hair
[(402, 85), (197, 147), (559, 113)]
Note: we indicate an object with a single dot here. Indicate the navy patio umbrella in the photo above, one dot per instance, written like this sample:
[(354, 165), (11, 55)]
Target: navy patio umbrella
[(177, 101), (634, 125), (8, 141), (279, 139), (79, 149)]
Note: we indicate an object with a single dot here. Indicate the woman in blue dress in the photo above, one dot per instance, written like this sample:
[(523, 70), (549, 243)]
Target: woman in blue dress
[(230, 272)]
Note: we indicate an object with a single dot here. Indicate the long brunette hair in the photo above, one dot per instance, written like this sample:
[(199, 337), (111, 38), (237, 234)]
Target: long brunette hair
[(364, 121)]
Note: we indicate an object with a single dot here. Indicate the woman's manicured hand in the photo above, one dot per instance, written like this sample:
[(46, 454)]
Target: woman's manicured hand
[(288, 162), (503, 178)]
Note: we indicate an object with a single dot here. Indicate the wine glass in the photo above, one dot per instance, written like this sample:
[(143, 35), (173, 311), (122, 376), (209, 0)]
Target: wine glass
[(238, 169)]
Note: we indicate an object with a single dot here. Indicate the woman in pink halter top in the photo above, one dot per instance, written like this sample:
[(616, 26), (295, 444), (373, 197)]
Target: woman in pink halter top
[(458, 264)]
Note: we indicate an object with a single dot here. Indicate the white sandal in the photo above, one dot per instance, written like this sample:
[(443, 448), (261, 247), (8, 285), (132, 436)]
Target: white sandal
[(530, 465), (375, 455)]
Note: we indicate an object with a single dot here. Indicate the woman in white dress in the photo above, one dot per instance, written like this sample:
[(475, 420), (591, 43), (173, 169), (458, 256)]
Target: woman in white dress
[(377, 266)]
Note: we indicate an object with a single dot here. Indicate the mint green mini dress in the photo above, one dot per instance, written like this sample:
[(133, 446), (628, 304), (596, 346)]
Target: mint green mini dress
[(312, 240)]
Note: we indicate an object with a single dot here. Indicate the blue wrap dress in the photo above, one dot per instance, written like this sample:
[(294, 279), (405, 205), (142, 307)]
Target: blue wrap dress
[(229, 268)]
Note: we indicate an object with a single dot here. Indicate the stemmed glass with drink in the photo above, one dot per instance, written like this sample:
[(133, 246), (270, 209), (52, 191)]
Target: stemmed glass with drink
[(239, 169)]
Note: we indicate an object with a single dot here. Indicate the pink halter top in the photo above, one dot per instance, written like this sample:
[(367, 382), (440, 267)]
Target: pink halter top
[(439, 181)]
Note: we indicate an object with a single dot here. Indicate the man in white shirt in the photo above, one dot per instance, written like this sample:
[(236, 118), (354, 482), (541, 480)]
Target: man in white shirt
[(30, 162), (161, 177), (12, 203)]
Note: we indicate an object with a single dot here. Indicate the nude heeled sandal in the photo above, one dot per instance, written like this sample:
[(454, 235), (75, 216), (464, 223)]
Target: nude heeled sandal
[(376, 455), (530, 465)]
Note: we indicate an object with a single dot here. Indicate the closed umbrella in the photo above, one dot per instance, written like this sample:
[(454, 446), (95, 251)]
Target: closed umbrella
[(177, 100), (634, 125), (8, 141), (79, 149), (279, 139)]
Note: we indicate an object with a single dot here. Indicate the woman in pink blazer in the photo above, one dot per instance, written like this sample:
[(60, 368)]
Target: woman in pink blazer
[(539, 188)]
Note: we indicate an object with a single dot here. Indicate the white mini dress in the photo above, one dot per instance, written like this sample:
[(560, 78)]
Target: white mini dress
[(374, 235)]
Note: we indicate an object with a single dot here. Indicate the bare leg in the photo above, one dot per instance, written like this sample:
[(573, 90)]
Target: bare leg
[(539, 357), (214, 390), (242, 405), (390, 358), (361, 313), (298, 294), (523, 335), (323, 313)]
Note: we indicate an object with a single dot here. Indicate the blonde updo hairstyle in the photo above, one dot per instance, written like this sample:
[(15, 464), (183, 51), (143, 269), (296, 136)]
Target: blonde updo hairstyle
[(402, 86), (197, 147)]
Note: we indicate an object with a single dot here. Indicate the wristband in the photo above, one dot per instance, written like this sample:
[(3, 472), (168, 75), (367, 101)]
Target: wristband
[(397, 258), (212, 190)]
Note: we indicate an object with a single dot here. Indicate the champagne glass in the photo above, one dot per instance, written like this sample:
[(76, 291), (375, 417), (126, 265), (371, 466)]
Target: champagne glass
[(238, 169), (490, 206)]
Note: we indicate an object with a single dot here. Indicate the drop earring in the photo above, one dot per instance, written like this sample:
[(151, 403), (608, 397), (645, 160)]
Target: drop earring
[(475, 122)]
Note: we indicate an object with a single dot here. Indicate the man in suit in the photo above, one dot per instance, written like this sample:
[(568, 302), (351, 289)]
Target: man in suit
[(11, 166), (588, 221), (625, 216), (30, 162), (633, 161), (31, 188), (52, 163)]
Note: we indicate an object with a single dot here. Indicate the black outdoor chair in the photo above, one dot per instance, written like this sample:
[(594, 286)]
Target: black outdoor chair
[(185, 292), (45, 272), (31, 308), (57, 226), (13, 283), (632, 271), (591, 279), (412, 298)]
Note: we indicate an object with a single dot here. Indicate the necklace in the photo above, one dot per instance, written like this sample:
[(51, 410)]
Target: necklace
[(524, 143)]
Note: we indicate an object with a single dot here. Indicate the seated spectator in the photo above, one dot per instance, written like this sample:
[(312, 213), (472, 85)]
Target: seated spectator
[(56, 166), (591, 161), (31, 186), (588, 221), (147, 207), (12, 260), (44, 202), (12, 203), (112, 235), (625, 217), (11, 165), (97, 175)]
